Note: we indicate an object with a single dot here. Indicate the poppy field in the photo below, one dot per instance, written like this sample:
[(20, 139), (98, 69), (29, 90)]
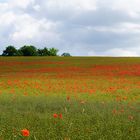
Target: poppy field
[(69, 98)]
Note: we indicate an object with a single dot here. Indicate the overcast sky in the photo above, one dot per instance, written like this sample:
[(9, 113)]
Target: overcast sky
[(80, 27)]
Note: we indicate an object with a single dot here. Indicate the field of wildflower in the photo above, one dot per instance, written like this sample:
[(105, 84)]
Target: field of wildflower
[(69, 98)]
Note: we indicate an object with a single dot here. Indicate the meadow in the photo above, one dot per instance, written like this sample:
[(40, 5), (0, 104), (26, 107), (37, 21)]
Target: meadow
[(69, 98)]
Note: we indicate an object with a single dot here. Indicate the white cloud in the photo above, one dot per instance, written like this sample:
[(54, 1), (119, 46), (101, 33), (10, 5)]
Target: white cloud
[(7, 18), (3, 7), (72, 4), (121, 52), (29, 28), (20, 3), (83, 27), (127, 5), (37, 7), (122, 28)]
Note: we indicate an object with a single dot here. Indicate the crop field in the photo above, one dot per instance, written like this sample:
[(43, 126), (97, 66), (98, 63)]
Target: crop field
[(69, 98)]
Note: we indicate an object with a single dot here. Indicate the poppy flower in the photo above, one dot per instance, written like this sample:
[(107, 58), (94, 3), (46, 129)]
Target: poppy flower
[(25, 132), (55, 115), (68, 98), (114, 111), (60, 116), (122, 110)]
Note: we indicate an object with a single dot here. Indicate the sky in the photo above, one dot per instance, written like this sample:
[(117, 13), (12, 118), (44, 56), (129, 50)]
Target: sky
[(79, 27)]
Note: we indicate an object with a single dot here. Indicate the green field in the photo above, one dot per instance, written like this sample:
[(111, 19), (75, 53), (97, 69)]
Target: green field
[(96, 98)]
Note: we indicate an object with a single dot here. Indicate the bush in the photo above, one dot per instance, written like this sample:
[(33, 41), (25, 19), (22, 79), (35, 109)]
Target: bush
[(65, 54), (28, 51), (10, 51)]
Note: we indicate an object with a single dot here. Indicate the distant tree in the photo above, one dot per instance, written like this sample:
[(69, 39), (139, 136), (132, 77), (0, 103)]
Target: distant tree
[(28, 51), (53, 51), (65, 54), (10, 51), (43, 52), (40, 52), (19, 52)]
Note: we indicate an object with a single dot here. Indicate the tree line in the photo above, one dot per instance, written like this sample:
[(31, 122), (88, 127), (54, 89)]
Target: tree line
[(29, 50)]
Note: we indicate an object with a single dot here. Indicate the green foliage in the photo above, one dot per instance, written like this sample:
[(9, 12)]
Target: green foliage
[(47, 52), (95, 122), (65, 54), (53, 51), (28, 50), (86, 115), (10, 51), (43, 52), (19, 52)]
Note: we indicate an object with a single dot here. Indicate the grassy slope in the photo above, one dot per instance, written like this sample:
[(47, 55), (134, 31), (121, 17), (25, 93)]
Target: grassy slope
[(30, 95)]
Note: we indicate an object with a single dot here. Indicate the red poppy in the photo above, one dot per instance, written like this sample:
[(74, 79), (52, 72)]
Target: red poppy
[(68, 98), (114, 111), (60, 116), (25, 132), (55, 115)]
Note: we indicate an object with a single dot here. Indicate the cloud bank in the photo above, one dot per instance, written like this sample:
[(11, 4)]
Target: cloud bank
[(80, 27)]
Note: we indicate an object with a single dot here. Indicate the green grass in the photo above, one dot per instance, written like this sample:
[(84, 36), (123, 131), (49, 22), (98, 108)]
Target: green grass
[(29, 99), (89, 121)]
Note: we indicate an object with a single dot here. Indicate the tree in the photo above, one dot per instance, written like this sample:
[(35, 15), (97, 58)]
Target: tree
[(19, 53), (40, 52), (10, 51), (65, 54), (28, 51), (43, 52), (53, 51)]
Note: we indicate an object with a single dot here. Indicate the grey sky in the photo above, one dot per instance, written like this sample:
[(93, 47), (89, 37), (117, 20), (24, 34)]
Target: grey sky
[(80, 27)]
